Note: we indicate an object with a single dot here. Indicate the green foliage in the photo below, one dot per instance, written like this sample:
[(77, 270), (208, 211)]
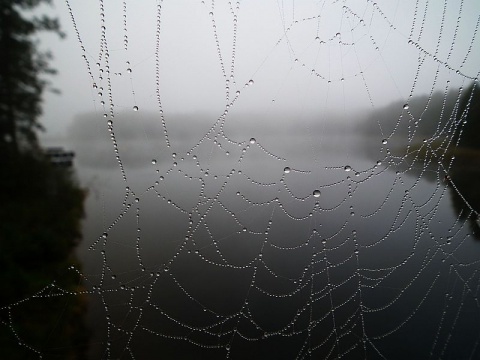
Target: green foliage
[(434, 117), (467, 206), (41, 211), (426, 117), (21, 67), (451, 124), (470, 115), (42, 308)]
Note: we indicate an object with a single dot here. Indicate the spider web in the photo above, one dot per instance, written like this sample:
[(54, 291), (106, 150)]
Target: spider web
[(265, 181)]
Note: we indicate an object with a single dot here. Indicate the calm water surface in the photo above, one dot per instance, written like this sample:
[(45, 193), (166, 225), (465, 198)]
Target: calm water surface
[(253, 265)]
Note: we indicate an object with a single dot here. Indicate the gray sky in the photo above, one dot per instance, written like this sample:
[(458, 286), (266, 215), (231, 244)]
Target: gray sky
[(296, 52)]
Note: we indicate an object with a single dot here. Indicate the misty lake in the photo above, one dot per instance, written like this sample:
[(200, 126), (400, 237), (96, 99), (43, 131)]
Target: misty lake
[(207, 255), (263, 180)]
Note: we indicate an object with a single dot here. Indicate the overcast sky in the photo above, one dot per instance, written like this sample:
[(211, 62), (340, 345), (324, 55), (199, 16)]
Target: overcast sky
[(304, 57)]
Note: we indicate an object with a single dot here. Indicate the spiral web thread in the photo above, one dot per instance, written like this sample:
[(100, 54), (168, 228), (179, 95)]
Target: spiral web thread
[(258, 240)]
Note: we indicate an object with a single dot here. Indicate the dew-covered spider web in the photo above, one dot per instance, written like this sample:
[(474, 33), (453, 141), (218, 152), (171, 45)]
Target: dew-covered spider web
[(278, 179)]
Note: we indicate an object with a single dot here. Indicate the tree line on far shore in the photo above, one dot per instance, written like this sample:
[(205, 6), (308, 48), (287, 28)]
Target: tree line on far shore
[(455, 113)]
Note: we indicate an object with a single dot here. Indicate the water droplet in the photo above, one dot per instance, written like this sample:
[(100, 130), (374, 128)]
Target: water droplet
[(406, 106), (154, 161), (253, 141), (129, 70), (135, 108), (250, 82), (286, 170), (347, 168), (384, 141), (316, 193), (379, 163)]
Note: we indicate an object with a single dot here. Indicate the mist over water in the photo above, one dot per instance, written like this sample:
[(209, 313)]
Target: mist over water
[(141, 139), (275, 179), (192, 261)]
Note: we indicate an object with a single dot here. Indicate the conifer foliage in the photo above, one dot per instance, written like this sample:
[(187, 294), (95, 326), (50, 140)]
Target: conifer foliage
[(22, 65)]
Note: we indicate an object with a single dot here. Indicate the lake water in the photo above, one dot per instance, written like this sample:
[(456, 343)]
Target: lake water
[(212, 257)]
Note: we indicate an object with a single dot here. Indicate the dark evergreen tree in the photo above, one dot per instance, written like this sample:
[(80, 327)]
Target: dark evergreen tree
[(41, 206), (21, 68)]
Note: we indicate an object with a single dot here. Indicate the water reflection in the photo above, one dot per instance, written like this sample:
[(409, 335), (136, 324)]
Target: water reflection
[(436, 139), (465, 192), (207, 256)]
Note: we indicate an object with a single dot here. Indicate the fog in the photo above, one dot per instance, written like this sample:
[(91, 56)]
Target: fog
[(272, 177), (307, 59), (140, 137)]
